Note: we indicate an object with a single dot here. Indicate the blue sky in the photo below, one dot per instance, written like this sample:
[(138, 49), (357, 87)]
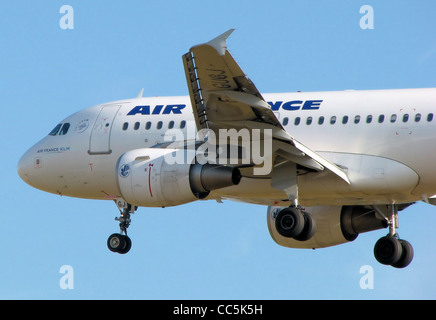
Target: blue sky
[(203, 250)]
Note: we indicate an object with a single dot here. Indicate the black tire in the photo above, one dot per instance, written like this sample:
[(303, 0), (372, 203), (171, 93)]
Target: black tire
[(388, 250), (290, 222), (128, 245), (309, 228), (406, 256), (116, 242)]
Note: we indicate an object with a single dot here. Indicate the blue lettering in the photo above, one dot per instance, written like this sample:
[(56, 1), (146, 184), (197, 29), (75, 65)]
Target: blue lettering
[(145, 110), (157, 109), (292, 105), (311, 105), (295, 105), (275, 106), (174, 108), (139, 109)]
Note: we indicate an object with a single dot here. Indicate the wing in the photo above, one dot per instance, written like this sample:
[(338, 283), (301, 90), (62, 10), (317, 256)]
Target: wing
[(219, 89), (223, 97)]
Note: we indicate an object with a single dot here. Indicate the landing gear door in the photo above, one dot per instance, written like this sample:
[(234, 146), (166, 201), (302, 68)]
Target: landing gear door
[(99, 142)]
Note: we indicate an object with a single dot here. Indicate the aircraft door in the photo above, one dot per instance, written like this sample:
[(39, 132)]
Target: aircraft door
[(99, 142)]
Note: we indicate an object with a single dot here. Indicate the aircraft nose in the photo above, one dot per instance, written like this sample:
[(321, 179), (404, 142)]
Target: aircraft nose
[(25, 164)]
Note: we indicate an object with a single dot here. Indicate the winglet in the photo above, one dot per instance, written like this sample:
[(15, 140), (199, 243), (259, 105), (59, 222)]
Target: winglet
[(219, 43)]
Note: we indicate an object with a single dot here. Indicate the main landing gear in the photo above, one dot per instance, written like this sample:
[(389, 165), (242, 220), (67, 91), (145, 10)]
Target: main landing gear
[(391, 250), (295, 223), (120, 242)]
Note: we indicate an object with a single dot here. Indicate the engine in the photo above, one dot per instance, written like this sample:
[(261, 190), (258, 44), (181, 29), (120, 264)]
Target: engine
[(153, 177), (334, 225)]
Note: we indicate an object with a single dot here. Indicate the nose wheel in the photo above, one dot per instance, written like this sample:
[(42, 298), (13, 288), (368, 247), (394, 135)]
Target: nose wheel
[(120, 242)]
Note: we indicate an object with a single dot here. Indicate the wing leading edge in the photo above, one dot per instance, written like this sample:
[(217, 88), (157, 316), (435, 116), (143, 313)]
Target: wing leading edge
[(223, 97)]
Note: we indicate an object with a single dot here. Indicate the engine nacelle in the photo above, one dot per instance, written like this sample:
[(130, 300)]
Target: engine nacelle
[(150, 177), (334, 225)]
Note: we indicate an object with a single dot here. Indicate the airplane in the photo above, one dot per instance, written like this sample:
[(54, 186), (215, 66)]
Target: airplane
[(328, 165)]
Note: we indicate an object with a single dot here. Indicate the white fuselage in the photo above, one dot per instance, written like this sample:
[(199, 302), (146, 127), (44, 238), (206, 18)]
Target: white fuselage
[(385, 140)]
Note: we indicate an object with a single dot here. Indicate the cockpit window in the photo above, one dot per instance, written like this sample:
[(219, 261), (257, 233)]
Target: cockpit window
[(61, 129), (55, 130), (64, 129)]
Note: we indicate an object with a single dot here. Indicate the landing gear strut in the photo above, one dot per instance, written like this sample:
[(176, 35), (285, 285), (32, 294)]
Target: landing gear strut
[(120, 242), (391, 250)]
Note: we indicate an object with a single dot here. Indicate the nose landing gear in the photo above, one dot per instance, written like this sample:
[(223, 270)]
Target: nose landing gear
[(120, 242)]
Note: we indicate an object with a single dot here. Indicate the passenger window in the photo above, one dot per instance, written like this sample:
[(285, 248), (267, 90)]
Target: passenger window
[(297, 121), (182, 124), (369, 119), (406, 118), (430, 117), (321, 120), (136, 127), (64, 129), (159, 125), (381, 118), (125, 126), (356, 119), (55, 130), (393, 118), (418, 117), (345, 120), (333, 120), (309, 120), (285, 121), (171, 125), (148, 125)]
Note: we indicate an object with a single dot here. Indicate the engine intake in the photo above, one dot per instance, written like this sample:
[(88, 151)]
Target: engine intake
[(335, 225)]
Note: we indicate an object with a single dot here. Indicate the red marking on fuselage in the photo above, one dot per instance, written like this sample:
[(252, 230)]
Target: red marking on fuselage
[(149, 179)]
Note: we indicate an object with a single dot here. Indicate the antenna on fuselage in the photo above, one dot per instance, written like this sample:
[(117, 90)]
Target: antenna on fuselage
[(140, 94)]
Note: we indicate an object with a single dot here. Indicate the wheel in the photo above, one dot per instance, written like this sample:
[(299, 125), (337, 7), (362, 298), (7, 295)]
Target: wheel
[(290, 222), (309, 228), (128, 245), (116, 242), (406, 256), (388, 250)]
